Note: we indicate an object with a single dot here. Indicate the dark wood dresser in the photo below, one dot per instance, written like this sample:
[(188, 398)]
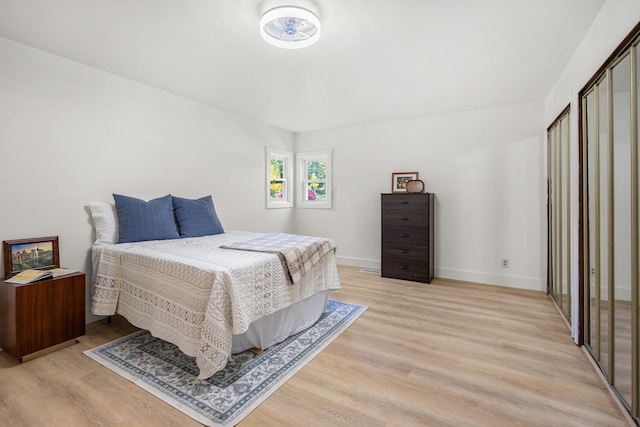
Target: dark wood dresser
[(407, 236)]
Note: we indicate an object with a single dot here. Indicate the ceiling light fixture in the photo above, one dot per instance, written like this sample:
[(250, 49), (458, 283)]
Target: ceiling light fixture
[(290, 27)]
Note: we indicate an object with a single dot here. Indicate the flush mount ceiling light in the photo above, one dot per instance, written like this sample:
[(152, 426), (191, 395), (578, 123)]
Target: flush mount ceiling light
[(290, 27)]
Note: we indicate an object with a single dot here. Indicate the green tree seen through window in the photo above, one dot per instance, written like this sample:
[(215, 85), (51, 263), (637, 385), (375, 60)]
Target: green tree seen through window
[(277, 179), (316, 174)]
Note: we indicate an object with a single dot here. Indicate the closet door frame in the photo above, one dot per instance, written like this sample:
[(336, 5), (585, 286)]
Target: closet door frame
[(559, 212), (629, 47)]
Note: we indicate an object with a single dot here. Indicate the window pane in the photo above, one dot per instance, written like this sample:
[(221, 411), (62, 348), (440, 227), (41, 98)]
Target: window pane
[(277, 168), (277, 190), (316, 169), (316, 191)]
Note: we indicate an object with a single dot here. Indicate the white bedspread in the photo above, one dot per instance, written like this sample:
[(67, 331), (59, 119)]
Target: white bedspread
[(196, 295)]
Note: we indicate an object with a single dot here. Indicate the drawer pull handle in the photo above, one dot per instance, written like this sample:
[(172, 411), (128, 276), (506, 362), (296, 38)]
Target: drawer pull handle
[(403, 235), (404, 203), (404, 218), (402, 267), (404, 251)]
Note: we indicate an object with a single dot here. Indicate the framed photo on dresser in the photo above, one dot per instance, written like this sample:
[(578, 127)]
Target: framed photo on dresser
[(399, 181)]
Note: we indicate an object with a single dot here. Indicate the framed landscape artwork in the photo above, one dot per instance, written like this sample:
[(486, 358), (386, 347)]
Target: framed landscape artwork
[(40, 253), (399, 181)]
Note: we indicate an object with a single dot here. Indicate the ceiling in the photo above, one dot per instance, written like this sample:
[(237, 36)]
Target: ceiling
[(377, 60)]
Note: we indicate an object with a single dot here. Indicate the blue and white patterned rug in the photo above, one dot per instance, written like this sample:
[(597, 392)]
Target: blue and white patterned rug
[(231, 394)]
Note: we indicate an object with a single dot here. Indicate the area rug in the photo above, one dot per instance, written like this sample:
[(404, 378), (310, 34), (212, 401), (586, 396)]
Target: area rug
[(231, 394)]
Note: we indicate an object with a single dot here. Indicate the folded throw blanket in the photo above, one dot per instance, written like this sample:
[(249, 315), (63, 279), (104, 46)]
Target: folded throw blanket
[(297, 253)]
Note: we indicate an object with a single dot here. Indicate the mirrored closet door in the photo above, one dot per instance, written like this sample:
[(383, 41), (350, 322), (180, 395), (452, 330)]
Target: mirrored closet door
[(609, 109), (559, 211)]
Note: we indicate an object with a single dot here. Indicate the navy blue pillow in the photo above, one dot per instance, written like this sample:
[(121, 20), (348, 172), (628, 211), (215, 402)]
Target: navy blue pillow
[(196, 217), (139, 220)]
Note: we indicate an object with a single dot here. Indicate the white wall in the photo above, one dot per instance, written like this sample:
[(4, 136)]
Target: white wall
[(71, 134), (486, 168), (614, 22)]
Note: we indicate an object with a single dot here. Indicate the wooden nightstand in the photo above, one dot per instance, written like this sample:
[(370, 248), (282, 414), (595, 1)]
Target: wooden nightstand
[(39, 317)]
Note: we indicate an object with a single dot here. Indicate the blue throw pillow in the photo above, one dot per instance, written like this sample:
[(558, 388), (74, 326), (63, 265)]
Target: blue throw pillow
[(139, 220), (196, 217)]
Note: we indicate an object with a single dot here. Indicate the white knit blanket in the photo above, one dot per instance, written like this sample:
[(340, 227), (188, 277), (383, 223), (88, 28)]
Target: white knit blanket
[(194, 294)]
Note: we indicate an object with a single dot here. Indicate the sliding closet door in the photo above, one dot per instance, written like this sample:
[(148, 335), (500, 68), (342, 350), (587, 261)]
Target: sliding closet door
[(610, 151), (595, 131), (589, 213), (620, 295), (635, 231), (602, 270), (558, 164)]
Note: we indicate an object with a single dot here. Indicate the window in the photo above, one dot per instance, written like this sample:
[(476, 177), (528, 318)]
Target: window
[(314, 177), (279, 178)]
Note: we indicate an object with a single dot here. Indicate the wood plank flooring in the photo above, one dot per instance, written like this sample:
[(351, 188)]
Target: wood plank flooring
[(445, 354)]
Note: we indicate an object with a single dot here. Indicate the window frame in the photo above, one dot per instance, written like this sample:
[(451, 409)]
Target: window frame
[(288, 166), (302, 160)]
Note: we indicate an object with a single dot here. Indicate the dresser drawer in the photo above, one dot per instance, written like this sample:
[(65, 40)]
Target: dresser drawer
[(405, 202), (408, 218), (397, 269), (405, 251), (406, 235)]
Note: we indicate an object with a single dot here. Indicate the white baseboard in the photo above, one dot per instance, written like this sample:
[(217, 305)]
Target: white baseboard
[(492, 279), (358, 262), (464, 275)]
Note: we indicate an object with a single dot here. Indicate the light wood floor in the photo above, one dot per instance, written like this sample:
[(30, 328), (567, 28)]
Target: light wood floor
[(444, 354)]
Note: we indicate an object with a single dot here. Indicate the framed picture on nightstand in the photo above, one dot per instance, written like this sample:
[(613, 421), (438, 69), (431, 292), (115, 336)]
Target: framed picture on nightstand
[(38, 253)]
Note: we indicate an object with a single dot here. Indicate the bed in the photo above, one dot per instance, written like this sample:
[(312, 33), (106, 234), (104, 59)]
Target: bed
[(210, 295)]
